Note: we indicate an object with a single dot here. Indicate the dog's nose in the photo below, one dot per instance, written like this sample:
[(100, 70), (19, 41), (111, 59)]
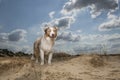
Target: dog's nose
[(53, 35)]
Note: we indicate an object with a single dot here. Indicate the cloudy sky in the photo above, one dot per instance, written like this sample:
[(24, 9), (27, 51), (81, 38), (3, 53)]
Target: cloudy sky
[(85, 25)]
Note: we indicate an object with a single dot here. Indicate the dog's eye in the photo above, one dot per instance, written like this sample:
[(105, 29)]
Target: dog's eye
[(49, 30), (55, 30)]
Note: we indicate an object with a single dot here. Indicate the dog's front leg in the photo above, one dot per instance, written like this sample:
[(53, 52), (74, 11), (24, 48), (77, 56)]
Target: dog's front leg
[(42, 56), (50, 58)]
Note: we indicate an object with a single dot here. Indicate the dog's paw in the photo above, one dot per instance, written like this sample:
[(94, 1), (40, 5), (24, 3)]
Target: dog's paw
[(36, 61), (49, 63), (42, 63)]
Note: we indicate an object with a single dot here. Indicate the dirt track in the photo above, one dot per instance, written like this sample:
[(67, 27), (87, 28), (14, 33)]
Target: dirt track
[(84, 67)]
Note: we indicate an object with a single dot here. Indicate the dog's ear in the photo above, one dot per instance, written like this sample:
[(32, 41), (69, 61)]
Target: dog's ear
[(45, 29), (56, 27)]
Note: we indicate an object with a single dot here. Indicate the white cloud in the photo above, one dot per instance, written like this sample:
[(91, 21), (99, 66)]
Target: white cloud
[(3, 37), (79, 31), (113, 23), (96, 6), (16, 35), (99, 37), (62, 23), (111, 16), (9, 46), (94, 43), (16, 47), (87, 43), (87, 48), (51, 14), (14, 41), (27, 49), (68, 36), (93, 11)]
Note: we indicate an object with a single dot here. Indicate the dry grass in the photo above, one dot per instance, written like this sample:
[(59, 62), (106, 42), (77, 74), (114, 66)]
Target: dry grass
[(62, 56), (97, 61), (12, 63)]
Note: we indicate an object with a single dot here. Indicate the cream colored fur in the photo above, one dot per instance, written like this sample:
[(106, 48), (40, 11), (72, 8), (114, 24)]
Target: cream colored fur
[(44, 45)]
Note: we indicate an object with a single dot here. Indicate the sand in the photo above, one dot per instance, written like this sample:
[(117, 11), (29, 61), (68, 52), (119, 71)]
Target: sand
[(85, 67)]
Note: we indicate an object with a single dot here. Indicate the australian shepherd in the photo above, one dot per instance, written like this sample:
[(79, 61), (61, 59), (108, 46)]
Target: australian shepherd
[(43, 45)]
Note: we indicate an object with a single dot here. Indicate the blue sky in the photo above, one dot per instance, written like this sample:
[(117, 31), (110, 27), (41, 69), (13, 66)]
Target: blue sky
[(85, 25)]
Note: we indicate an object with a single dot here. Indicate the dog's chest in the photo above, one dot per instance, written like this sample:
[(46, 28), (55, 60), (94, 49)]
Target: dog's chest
[(46, 44)]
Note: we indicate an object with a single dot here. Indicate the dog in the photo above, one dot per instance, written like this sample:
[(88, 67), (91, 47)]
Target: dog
[(43, 45)]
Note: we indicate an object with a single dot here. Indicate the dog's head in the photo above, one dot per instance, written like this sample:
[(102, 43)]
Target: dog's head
[(51, 32)]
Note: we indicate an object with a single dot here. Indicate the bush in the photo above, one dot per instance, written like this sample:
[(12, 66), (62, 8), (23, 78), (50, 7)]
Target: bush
[(97, 61)]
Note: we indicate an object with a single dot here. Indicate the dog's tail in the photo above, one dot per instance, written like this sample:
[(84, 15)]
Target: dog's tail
[(33, 55)]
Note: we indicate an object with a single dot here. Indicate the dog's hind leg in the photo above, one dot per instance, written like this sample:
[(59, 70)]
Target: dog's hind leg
[(37, 55), (36, 51), (33, 55)]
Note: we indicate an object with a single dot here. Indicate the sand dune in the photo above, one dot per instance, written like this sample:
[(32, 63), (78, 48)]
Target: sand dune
[(85, 67)]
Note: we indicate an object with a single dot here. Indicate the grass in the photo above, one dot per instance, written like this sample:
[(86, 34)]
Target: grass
[(97, 61), (62, 56)]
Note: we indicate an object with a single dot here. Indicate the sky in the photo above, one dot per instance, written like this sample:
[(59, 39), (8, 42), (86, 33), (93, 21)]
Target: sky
[(85, 26)]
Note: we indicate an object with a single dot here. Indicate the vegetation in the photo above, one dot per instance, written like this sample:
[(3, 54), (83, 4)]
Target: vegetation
[(6, 53)]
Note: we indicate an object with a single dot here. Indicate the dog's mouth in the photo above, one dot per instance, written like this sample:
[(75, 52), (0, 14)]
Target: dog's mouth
[(52, 36)]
